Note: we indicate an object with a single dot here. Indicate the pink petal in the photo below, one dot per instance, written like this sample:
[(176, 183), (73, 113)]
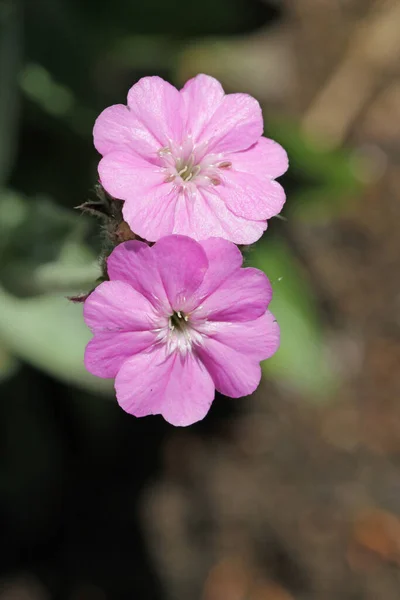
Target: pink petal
[(125, 175), (182, 264), (234, 374), (224, 258), (202, 96), (266, 159), (159, 107), (251, 197), (106, 352), (211, 217), (124, 260), (135, 263), (117, 129), (152, 216), (258, 339), (248, 187), (202, 215), (167, 273), (236, 125), (116, 306), (150, 383), (244, 296)]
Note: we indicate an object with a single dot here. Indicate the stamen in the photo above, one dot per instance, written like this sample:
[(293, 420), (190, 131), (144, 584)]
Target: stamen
[(196, 171), (191, 161), (189, 166), (164, 151), (182, 171)]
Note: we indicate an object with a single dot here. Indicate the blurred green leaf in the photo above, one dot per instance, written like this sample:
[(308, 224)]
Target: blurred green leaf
[(318, 203), (76, 267), (10, 59), (43, 247), (48, 332), (300, 361), (66, 278), (36, 228), (8, 363), (307, 158), (13, 212), (56, 99), (326, 180), (39, 86)]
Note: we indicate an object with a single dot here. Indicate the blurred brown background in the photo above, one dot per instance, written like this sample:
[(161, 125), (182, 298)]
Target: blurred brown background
[(294, 493)]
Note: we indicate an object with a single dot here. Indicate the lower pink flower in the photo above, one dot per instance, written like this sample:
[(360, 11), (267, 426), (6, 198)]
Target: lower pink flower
[(175, 322)]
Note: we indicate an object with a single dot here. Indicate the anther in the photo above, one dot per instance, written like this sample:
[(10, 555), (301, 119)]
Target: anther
[(164, 151), (225, 165)]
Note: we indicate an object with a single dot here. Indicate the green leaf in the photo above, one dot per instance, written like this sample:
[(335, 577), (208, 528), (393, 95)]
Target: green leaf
[(13, 212), (8, 363), (39, 86), (300, 362), (327, 181), (319, 203), (75, 269), (307, 158), (49, 332), (43, 247)]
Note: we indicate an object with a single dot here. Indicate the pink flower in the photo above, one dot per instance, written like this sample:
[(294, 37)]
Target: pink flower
[(191, 162), (177, 321)]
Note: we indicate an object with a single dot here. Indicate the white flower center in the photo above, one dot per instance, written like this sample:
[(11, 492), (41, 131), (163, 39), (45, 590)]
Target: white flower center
[(188, 165), (179, 333)]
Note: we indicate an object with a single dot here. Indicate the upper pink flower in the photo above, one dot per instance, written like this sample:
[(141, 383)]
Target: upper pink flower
[(191, 162), (177, 320)]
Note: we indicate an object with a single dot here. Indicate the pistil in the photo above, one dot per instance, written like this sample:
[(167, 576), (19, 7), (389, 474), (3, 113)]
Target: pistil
[(178, 321)]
